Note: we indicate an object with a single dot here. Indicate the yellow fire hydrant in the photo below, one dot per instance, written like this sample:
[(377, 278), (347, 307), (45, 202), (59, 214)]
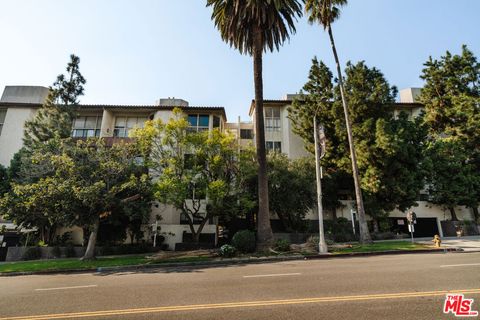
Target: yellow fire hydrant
[(437, 241)]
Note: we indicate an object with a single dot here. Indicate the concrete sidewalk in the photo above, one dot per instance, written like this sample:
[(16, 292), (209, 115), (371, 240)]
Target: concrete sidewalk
[(467, 244)]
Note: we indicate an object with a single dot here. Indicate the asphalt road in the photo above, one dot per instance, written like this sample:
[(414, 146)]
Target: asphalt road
[(378, 287)]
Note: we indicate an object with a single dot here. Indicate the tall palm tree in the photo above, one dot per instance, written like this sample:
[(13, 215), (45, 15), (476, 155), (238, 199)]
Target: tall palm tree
[(325, 12), (252, 27)]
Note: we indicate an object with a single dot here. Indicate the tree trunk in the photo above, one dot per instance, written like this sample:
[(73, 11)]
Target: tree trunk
[(362, 221), (90, 252), (453, 214), (196, 235), (264, 229)]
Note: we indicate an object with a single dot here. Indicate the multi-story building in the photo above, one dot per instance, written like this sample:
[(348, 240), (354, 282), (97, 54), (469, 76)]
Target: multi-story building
[(113, 122)]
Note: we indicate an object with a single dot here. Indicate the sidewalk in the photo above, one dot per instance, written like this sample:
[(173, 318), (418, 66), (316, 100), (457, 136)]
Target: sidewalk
[(467, 244)]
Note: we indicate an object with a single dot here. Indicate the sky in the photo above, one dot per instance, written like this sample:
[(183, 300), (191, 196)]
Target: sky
[(137, 51)]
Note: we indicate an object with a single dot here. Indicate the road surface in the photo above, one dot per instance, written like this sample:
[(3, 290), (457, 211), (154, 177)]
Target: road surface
[(378, 287)]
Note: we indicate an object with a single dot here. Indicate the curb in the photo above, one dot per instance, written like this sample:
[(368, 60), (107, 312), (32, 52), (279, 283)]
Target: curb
[(229, 262)]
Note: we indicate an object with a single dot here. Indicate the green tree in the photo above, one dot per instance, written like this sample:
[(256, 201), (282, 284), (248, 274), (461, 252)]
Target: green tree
[(253, 27), (452, 178), (292, 189), (4, 181), (451, 96), (193, 172), (325, 12), (56, 115), (88, 182)]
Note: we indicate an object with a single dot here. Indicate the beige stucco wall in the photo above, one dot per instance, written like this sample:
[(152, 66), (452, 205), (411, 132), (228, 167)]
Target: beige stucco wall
[(11, 138)]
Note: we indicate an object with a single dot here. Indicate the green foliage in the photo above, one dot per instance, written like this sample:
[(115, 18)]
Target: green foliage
[(32, 253), (389, 150), (190, 168), (227, 251), (324, 12), (282, 245), (235, 21), (451, 96), (55, 117), (292, 189), (4, 181), (244, 241), (339, 230)]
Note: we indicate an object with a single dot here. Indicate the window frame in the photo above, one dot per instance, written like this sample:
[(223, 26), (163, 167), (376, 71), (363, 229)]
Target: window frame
[(272, 119), (84, 130)]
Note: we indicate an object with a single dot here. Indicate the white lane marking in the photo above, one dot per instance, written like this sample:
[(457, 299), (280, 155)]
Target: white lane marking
[(65, 288), (273, 275), (459, 265)]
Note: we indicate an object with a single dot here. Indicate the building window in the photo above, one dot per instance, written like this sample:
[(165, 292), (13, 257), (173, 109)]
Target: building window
[(216, 122), (274, 146), (198, 122), (246, 134), (3, 114), (272, 119), (85, 127), (124, 124)]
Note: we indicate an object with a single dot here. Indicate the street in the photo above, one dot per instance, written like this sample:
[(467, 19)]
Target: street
[(378, 287)]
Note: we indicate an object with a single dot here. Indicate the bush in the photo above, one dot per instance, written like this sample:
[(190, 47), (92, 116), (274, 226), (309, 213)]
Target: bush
[(227, 251), (56, 252), (70, 252), (32, 253), (244, 241), (383, 235), (282, 245)]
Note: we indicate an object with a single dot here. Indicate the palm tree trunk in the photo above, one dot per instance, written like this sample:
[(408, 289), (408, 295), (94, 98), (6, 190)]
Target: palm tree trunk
[(364, 233), (90, 252), (264, 229)]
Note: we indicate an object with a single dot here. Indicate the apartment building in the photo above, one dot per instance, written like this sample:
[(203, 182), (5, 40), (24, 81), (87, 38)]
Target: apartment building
[(280, 137), (113, 122)]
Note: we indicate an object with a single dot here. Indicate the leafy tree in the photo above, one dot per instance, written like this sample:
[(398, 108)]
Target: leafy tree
[(325, 12), (292, 189), (390, 151), (89, 181), (4, 181), (57, 113), (452, 178), (451, 96), (194, 172), (253, 27)]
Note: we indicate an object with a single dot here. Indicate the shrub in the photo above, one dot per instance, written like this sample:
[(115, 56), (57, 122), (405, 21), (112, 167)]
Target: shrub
[(70, 252), (383, 235), (227, 251), (32, 253), (244, 241), (56, 252), (282, 245)]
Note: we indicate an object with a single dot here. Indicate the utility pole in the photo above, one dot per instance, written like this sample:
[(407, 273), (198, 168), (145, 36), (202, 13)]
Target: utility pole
[(319, 153)]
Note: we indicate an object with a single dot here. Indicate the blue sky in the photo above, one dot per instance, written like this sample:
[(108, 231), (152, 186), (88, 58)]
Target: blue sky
[(136, 51)]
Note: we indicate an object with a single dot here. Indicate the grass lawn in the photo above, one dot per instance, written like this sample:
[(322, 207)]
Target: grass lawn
[(64, 264), (379, 246), (192, 256)]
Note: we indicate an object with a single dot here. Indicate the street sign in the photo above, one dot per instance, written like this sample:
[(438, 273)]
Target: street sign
[(411, 228)]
